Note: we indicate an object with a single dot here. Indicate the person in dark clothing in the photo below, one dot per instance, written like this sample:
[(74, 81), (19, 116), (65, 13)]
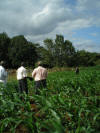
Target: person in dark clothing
[(77, 70), (23, 85)]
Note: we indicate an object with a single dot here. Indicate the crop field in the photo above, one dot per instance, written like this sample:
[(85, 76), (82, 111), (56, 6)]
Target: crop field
[(69, 104)]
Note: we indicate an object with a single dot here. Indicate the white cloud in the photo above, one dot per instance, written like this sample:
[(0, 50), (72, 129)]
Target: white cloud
[(86, 5), (39, 19), (88, 45), (94, 34)]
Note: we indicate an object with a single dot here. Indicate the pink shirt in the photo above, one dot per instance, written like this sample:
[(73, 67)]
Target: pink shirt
[(39, 73)]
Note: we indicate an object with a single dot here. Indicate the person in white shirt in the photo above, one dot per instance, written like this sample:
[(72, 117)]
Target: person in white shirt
[(39, 74), (3, 74), (22, 78)]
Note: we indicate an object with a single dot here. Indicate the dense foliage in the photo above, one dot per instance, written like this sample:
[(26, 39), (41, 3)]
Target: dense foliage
[(22, 50), (70, 104), (58, 52), (4, 45)]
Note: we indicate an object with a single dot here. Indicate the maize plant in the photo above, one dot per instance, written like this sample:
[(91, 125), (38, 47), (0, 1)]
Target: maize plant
[(69, 104)]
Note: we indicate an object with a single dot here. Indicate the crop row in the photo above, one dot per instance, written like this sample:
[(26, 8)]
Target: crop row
[(70, 104)]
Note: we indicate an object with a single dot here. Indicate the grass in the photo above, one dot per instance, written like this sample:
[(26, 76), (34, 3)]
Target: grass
[(70, 104)]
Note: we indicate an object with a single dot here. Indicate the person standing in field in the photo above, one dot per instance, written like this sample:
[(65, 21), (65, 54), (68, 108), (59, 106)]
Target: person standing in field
[(3, 74), (77, 70), (39, 74), (22, 78)]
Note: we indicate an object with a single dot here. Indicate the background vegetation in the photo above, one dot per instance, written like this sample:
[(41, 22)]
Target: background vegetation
[(58, 52), (69, 104)]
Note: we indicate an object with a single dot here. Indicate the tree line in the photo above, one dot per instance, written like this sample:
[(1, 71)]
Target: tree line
[(57, 52)]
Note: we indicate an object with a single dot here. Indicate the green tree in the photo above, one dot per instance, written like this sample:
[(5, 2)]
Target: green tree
[(44, 55), (58, 54), (85, 58), (21, 50), (49, 52), (68, 52), (97, 60), (64, 51), (4, 44), (59, 51)]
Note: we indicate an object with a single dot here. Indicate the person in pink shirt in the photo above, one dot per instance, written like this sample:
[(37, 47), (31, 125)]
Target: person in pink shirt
[(39, 74)]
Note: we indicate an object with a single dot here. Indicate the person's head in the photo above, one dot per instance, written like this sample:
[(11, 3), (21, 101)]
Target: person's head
[(39, 63), (2, 63), (22, 63)]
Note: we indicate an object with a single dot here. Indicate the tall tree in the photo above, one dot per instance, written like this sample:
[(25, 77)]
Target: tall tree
[(64, 51), (49, 52), (60, 52), (84, 58), (22, 50), (59, 42), (4, 44), (68, 53)]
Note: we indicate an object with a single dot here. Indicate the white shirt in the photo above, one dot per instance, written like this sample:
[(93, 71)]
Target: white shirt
[(39, 73), (3, 74), (21, 73)]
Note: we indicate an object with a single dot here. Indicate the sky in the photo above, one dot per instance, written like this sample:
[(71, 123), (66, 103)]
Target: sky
[(77, 20)]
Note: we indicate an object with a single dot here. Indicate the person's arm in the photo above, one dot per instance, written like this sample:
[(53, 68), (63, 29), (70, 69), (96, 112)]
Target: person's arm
[(24, 73), (34, 73)]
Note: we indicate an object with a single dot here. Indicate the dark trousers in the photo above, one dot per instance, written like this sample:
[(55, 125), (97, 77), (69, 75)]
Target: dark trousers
[(23, 85), (40, 84)]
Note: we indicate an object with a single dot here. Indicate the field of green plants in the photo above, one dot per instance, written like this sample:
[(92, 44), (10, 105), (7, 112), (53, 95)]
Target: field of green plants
[(69, 104)]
